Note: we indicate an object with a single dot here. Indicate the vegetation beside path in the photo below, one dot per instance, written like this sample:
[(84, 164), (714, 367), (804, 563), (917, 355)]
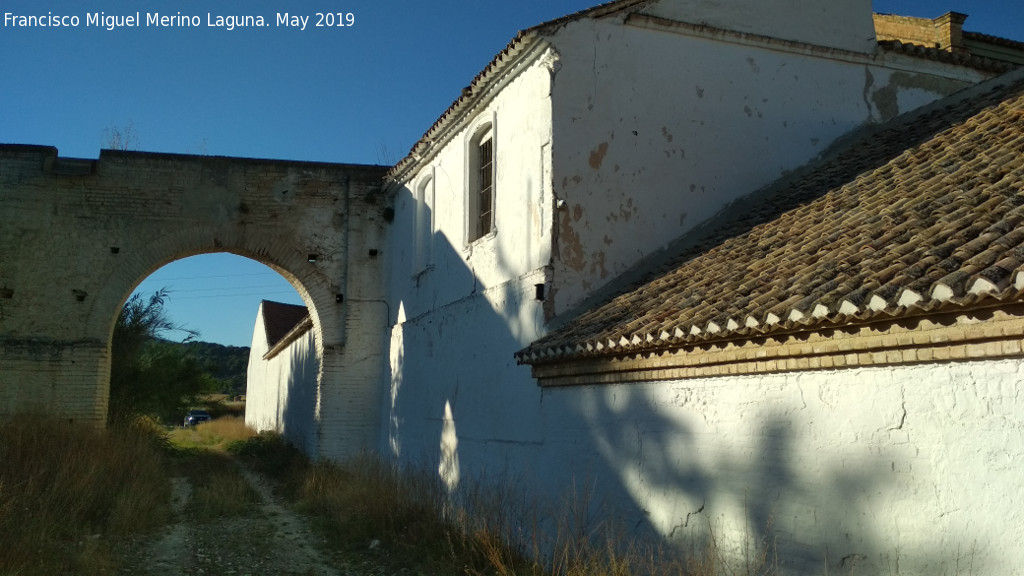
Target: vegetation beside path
[(217, 499)]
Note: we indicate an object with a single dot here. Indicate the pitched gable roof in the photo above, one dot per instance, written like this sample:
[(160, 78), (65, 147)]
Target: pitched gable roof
[(279, 319), (926, 213)]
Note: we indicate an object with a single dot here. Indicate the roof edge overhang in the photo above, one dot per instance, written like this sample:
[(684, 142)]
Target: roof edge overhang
[(732, 331), (298, 330), (530, 42), (525, 46), (993, 331), (962, 292)]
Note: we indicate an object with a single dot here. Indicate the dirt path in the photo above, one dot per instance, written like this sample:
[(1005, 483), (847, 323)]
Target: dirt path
[(268, 540)]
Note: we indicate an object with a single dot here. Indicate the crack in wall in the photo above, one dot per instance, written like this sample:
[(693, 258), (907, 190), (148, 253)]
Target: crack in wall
[(686, 521)]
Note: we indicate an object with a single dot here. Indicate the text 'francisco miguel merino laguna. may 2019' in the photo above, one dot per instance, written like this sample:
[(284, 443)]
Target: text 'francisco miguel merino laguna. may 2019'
[(157, 20)]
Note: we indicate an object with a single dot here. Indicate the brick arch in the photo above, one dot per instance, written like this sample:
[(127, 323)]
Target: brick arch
[(315, 289), (313, 286), (87, 232)]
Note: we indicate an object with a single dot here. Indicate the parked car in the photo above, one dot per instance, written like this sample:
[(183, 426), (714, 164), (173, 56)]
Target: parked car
[(194, 417)]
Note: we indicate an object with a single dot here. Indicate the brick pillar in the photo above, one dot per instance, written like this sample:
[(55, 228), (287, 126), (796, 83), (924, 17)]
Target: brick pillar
[(950, 31)]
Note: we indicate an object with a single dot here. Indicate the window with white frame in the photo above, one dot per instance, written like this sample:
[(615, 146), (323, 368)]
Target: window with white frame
[(481, 183)]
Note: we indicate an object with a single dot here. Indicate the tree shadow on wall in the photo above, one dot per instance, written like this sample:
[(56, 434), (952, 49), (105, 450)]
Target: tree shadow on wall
[(755, 477), (673, 463), (298, 411)]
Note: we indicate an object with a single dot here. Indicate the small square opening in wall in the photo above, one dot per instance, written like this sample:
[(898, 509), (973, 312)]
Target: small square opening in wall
[(312, 257), (538, 292)]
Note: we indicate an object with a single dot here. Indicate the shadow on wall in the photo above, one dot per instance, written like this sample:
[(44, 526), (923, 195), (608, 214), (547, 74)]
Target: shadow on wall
[(673, 462), (760, 472), (298, 411)]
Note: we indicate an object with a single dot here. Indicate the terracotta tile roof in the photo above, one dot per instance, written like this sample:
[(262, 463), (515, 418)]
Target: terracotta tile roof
[(996, 40), (962, 59), (279, 319), (922, 214)]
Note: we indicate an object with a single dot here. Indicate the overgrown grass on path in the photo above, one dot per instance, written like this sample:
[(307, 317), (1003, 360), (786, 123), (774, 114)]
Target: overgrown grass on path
[(406, 519), (68, 493), (219, 490), (66, 489)]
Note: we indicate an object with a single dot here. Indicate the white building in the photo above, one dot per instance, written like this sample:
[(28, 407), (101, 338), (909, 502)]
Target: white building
[(281, 379), (690, 255)]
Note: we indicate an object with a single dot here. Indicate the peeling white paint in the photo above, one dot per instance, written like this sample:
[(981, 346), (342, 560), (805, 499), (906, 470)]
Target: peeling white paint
[(681, 123), (642, 125)]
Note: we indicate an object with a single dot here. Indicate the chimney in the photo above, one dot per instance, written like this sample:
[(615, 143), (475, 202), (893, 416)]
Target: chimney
[(944, 33), (949, 28)]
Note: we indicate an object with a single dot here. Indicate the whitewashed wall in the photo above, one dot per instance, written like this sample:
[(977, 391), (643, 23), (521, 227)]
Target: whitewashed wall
[(656, 128), (460, 313), (644, 134), (281, 391), (904, 470), (846, 24)]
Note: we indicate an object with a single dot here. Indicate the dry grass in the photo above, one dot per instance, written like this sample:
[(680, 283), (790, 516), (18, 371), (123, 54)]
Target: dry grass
[(66, 490), (218, 434), (218, 488), (69, 493), (368, 506), (363, 504)]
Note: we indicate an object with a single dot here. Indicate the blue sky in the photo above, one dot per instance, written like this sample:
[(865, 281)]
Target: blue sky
[(355, 94)]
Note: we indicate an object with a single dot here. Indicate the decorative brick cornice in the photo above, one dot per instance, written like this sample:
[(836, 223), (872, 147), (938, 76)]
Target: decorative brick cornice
[(954, 336)]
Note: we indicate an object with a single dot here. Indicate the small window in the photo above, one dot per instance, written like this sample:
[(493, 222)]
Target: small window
[(481, 184), (424, 224)]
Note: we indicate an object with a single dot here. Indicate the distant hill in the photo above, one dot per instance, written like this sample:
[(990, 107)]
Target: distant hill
[(228, 364)]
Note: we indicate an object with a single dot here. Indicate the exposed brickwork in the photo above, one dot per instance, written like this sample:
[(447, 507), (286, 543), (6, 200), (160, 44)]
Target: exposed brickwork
[(947, 337), (79, 235), (944, 32)]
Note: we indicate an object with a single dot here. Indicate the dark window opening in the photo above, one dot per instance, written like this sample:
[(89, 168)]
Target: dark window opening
[(485, 188)]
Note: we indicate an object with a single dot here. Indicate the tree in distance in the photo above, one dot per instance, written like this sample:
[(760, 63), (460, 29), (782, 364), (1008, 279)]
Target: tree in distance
[(149, 375)]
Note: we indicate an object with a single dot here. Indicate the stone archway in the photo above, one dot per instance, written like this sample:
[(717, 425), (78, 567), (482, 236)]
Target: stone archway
[(79, 235)]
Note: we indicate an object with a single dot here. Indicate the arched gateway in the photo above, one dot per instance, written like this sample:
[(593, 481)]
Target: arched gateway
[(76, 237)]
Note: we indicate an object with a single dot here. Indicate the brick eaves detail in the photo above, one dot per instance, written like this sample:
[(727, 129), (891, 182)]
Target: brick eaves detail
[(985, 334)]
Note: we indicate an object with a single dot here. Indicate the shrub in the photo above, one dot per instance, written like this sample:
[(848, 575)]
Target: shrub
[(150, 376)]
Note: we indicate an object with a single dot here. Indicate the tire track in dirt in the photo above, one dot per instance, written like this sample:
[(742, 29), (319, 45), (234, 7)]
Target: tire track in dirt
[(268, 540)]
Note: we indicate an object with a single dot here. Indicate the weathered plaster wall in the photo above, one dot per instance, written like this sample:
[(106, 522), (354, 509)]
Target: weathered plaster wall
[(657, 126), (458, 314), (908, 470), (652, 130), (846, 25), (281, 390), (429, 239), (79, 235), (262, 394)]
